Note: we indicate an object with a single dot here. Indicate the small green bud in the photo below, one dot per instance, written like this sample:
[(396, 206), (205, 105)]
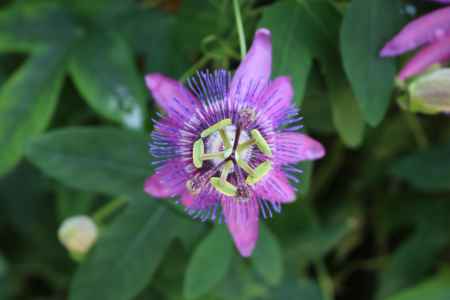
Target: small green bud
[(78, 234), (430, 93)]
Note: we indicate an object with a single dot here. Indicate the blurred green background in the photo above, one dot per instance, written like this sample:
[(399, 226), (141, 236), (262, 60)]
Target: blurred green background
[(372, 219)]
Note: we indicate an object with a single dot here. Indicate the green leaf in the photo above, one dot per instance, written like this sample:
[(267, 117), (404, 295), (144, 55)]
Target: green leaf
[(437, 288), (420, 252), (313, 240), (101, 159), (426, 170), (104, 71), (209, 263), (316, 107), (27, 101), (30, 25), (368, 24), (267, 259), (100, 11), (291, 56), (297, 289), (127, 254), (4, 280), (347, 116)]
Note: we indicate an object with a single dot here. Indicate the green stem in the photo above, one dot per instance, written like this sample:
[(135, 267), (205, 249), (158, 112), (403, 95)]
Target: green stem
[(240, 27), (325, 281), (417, 130), (105, 211), (199, 64)]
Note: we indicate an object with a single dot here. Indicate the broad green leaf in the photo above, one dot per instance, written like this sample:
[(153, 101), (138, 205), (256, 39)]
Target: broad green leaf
[(420, 253), (101, 11), (368, 24), (35, 24), (314, 241), (100, 159), (316, 107), (320, 24), (297, 289), (347, 116), (209, 263), (437, 288), (70, 202), (241, 283), (127, 254), (4, 284), (267, 258), (291, 57), (411, 262), (30, 212), (27, 101), (144, 28), (105, 73), (426, 170)]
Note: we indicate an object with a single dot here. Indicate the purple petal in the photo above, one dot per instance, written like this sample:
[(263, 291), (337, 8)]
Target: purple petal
[(438, 52), (171, 95), (254, 71), (441, 1), (426, 29), (168, 181), (276, 98), (155, 188), (293, 147), (244, 231), (276, 188), (187, 199)]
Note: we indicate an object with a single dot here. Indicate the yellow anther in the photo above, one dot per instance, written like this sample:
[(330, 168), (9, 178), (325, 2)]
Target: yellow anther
[(225, 139), (227, 152), (244, 166), (215, 155), (227, 188), (197, 153), (216, 127), (245, 145), (261, 142), (225, 171), (262, 170)]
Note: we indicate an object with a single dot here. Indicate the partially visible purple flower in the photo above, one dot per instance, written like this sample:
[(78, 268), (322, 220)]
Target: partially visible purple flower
[(441, 1), (436, 53), (227, 146), (432, 29)]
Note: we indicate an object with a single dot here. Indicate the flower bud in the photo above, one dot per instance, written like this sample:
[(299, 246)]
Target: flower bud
[(78, 234), (430, 93)]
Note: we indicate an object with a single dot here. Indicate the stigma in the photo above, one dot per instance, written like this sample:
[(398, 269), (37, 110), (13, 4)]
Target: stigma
[(230, 157)]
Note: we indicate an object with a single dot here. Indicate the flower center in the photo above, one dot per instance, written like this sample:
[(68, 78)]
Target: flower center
[(229, 149)]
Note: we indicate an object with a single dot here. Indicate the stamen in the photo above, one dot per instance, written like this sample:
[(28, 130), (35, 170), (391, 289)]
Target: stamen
[(225, 139), (197, 153), (227, 152), (216, 127), (245, 145), (262, 170), (261, 142), (244, 166), (215, 155), (225, 171), (227, 188)]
